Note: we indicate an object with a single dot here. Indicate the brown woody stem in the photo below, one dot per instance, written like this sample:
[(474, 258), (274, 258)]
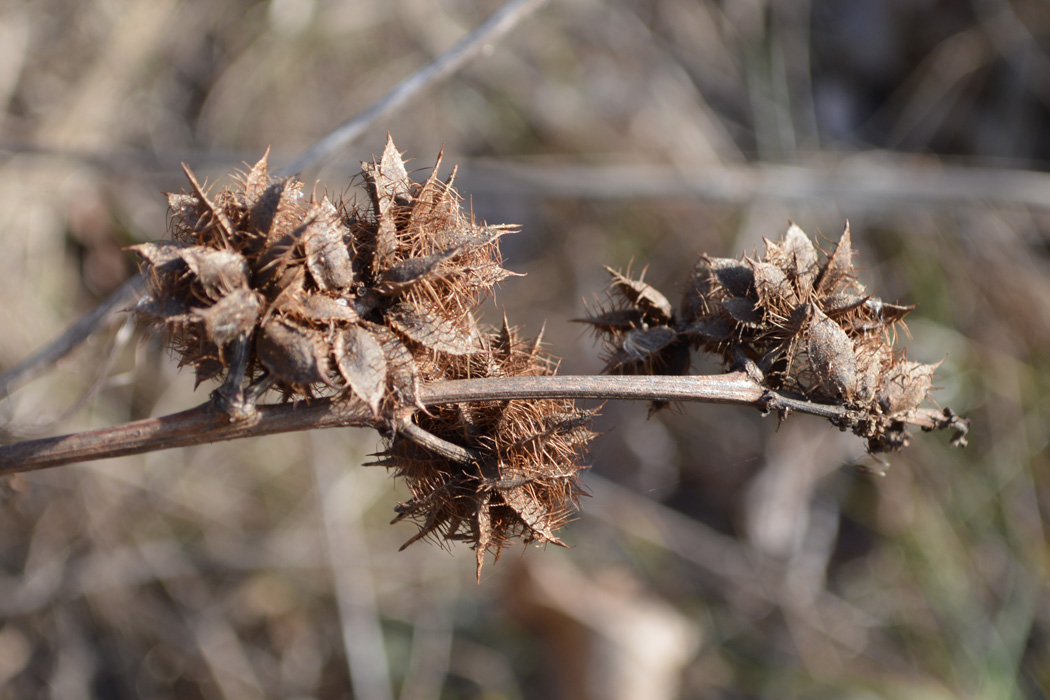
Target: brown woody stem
[(205, 424)]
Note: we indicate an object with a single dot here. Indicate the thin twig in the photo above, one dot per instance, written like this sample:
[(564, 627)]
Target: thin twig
[(205, 424), (863, 183), (45, 358), (494, 28)]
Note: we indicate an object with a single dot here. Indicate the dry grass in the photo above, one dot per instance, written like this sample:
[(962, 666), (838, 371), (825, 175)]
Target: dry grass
[(753, 561)]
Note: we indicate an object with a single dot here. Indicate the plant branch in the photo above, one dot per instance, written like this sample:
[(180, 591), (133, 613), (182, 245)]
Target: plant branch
[(204, 424), (44, 359)]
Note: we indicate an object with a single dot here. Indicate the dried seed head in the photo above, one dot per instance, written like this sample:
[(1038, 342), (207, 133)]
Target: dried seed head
[(802, 323), (521, 481), (316, 287)]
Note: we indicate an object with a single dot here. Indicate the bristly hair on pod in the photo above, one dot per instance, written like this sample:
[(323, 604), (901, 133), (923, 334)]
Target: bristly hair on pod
[(520, 478), (263, 288)]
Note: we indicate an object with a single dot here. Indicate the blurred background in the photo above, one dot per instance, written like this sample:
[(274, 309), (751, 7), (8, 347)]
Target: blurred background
[(720, 555)]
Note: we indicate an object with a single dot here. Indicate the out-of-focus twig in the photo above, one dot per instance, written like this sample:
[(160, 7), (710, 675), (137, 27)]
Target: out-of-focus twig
[(354, 585), (45, 358), (474, 44), (874, 181), (205, 424)]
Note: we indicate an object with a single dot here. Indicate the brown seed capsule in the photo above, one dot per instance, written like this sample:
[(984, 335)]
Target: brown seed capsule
[(327, 256), (905, 386), (830, 353), (295, 355), (231, 316)]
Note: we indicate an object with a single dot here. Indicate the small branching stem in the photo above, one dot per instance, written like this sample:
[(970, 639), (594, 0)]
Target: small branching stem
[(205, 424)]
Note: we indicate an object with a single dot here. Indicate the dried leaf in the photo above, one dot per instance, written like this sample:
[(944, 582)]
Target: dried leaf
[(388, 185), (641, 295), (736, 278), (401, 369), (325, 310), (838, 267), (264, 197), (801, 258), (226, 230), (705, 330), (872, 355), (483, 532), (453, 336), (534, 514), (831, 356), (887, 313), (641, 344), (774, 289), (327, 256), (615, 320), (362, 364), (159, 253), (185, 209), (256, 182), (743, 310)]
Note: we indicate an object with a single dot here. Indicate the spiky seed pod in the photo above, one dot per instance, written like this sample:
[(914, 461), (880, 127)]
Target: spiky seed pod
[(638, 329), (522, 481)]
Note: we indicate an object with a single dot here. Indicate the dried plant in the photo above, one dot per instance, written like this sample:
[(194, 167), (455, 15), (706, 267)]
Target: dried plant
[(368, 315), (796, 323)]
